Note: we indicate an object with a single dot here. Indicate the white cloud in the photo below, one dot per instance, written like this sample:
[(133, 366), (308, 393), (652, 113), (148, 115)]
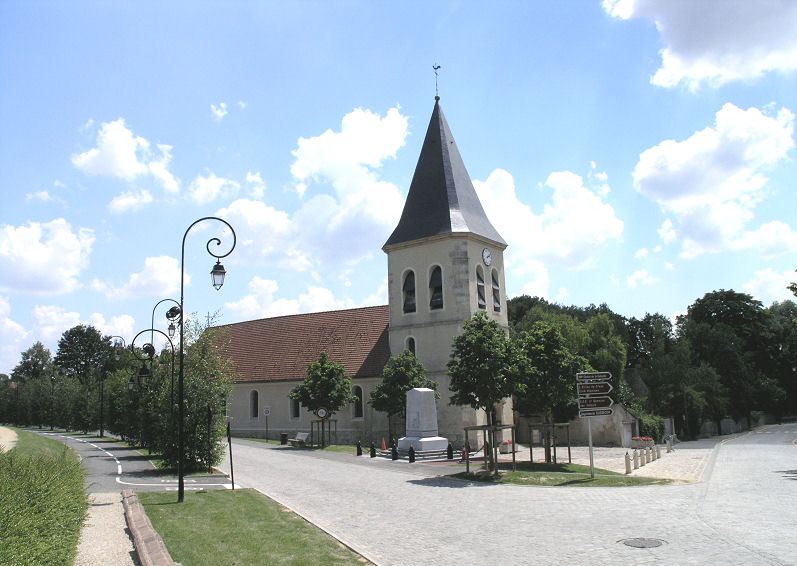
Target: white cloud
[(119, 153), (219, 112), (641, 253), (261, 302), (715, 42), (537, 280), (40, 196), (667, 232), (256, 185), (13, 338), (207, 188), (122, 325), (769, 285), (769, 240), (351, 211), (242, 105), (51, 321), (669, 266), (641, 277), (129, 201), (160, 277), (571, 226), (712, 181), (45, 258)]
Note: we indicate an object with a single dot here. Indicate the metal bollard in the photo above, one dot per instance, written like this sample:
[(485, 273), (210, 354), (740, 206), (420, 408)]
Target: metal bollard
[(627, 463), (658, 451), (373, 451), (450, 452), (412, 455), (669, 444), (636, 459), (359, 448), (394, 451)]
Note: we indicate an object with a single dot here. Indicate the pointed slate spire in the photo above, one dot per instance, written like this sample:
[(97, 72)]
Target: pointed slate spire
[(441, 198)]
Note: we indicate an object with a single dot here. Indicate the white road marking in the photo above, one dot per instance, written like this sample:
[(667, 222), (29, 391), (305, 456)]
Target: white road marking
[(196, 485)]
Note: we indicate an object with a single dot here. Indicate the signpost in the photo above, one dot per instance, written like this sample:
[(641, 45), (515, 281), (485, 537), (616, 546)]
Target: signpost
[(266, 413), (593, 401)]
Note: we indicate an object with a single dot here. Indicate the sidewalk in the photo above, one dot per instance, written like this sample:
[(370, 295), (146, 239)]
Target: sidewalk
[(685, 464)]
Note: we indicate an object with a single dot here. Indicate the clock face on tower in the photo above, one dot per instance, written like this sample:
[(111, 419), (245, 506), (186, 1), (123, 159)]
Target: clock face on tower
[(487, 257)]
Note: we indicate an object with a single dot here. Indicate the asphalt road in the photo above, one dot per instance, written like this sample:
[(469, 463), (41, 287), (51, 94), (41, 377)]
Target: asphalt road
[(111, 466), (743, 513)]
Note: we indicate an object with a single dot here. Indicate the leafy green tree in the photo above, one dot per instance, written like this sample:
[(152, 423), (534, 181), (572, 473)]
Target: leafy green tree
[(781, 342), (546, 371), (481, 369), (35, 362), (326, 385), (726, 330), (401, 373)]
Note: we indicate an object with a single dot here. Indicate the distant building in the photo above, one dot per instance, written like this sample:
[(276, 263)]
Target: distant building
[(445, 263)]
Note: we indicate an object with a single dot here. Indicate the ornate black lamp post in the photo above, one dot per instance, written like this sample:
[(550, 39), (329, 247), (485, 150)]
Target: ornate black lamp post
[(52, 397), (217, 276), (174, 313)]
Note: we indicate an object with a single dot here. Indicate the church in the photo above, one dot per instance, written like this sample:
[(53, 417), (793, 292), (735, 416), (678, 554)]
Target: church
[(445, 263)]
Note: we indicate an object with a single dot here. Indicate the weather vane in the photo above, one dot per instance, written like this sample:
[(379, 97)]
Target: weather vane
[(435, 67)]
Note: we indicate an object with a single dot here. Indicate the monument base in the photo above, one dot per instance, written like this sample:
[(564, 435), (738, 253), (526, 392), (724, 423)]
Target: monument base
[(422, 444)]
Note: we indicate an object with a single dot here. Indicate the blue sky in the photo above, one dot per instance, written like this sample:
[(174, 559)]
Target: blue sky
[(633, 152)]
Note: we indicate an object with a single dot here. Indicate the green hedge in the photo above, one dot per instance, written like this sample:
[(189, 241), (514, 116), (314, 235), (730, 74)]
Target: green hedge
[(42, 507), (651, 425)]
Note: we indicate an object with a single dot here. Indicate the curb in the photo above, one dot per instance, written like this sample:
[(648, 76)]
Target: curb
[(149, 545)]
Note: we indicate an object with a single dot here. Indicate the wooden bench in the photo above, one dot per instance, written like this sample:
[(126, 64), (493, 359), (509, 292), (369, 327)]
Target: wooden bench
[(300, 440)]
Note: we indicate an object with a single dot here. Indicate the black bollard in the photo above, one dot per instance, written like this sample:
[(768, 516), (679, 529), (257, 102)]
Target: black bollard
[(412, 455), (450, 452), (359, 448), (394, 452), (372, 451)]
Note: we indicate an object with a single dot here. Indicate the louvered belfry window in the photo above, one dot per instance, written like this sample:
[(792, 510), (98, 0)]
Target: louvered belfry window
[(480, 287), (411, 345), (496, 292), (436, 288), (408, 290)]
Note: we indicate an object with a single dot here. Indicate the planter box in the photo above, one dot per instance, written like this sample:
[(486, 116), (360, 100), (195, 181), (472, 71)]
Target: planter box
[(642, 443), (505, 448)]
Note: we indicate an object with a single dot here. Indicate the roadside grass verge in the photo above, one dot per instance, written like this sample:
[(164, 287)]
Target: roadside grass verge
[(241, 527), (42, 502), (562, 475)]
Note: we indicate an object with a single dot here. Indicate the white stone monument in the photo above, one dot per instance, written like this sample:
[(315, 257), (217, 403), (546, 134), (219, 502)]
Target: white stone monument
[(422, 422)]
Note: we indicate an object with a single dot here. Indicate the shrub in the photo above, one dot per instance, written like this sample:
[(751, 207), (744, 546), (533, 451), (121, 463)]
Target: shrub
[(651, 425), (42, 508)]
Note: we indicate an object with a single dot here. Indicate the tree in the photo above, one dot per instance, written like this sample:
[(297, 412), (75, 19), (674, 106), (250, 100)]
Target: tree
[(401, 373), (480, 368), (326, 386), (726, 330), (546, 372)]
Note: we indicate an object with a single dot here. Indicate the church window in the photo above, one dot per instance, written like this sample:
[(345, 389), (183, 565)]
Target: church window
[(408, 291), (411, 345), (496, 292), (295, 409), (254, 407), (436, 288), (357, 406), (480, 287)]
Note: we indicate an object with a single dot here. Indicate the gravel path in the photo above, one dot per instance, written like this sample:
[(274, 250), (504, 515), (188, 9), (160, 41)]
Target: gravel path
[(8, 438), (104, 540)]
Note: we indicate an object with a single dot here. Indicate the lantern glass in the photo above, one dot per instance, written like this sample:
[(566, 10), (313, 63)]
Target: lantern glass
[(172, 330), (217, 275)]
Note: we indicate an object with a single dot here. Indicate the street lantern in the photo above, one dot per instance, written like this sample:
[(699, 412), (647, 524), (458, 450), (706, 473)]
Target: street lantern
[(172, 329), (143, 373), (217, 275)]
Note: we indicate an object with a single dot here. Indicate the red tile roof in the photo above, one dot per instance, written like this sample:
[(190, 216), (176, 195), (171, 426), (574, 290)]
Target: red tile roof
[(281, 348)]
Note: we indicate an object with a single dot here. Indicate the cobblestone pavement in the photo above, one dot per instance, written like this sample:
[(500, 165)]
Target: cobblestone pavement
[(394, 513)]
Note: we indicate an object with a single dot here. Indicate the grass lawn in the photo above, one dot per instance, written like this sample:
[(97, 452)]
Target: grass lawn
[(239, 528), (42, 502), (559, 475)]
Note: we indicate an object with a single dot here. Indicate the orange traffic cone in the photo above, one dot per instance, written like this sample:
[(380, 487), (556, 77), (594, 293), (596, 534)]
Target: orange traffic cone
[(384, 446)]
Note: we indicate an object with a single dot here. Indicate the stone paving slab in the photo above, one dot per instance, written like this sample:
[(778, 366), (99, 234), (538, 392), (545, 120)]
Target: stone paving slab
[(395, 514)]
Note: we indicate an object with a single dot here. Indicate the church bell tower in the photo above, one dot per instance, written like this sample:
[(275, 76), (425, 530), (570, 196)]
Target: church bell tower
[(445, 263)]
